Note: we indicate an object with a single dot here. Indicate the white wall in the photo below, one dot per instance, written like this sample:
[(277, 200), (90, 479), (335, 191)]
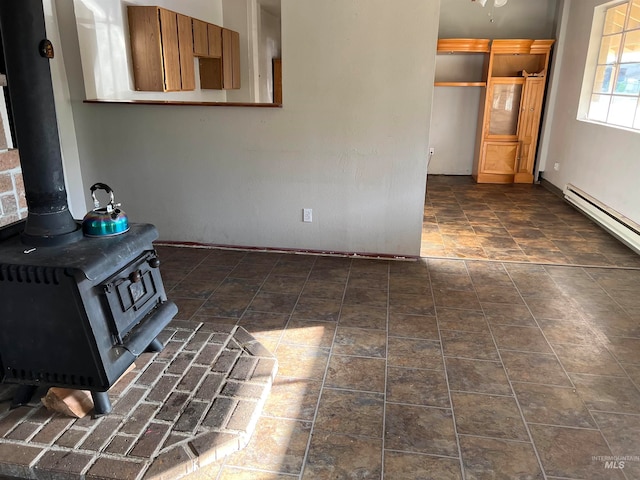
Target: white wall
[(350, 142), (601, 160), (455, 109)]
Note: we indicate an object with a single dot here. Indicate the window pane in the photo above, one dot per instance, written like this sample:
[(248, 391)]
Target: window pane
[(599, 108), (622, 111), (505, 108), (604, 79), (631, 48), (628, 81), (614, 22), (634, 16), (609, 49)]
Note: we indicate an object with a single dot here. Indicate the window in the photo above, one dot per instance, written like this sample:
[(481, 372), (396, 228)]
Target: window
[(615, 95)]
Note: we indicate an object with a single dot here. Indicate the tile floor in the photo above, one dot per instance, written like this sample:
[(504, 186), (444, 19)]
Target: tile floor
[(524, 223), (440, 368)]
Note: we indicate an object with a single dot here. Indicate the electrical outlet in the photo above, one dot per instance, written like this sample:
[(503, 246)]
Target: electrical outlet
[(432, 151), (556, 166), (307, 215)]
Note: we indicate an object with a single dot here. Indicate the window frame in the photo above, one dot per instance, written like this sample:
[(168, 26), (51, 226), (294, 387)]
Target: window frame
[(591, 79)]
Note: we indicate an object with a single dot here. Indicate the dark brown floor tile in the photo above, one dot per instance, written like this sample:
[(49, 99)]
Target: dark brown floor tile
[(488, 416), (310, 308), (362, 296), (420, 429), (368, 281), (504, 314), (511, 255), (403, 466), (571, 452), (499, 294), (452, 281), (360, 342), (572, 331), (417, 387), (534, 368), (634, 373), (462, 320), (613, 322), (626, 350), (277, 444), (273, 302), (293, 398), (439, 266), (552, 308), (239, 287), (356, 373), (322, 289), (466, 300), (225, 306), (469, 345), (522, 339), (350, 413), (334, 456), (414, 353), (411, 304), (592, 359), (302, 361), (196, 288), (608, 393), (363, 316), (622, 433), (412, 286), (282, 284), (413, 326), (316, 334), (552, 405), (490, 459), (477, 376)]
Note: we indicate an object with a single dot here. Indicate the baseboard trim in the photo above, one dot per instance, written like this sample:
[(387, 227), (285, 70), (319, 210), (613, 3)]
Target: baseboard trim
[(293, 251), (550, 186)]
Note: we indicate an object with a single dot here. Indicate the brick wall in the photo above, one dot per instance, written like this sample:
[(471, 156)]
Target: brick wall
[(13, 205)]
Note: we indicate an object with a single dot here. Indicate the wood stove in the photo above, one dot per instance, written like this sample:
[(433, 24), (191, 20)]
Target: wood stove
[(74, 311)]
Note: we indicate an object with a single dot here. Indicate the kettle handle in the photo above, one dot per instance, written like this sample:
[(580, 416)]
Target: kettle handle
[(106, 188)]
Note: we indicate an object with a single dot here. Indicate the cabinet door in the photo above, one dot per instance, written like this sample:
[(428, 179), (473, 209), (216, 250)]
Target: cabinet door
[(170, 50), (215, 40), (227, 59), (503, 108), (146, 48), (185, 45), (200, 38), (235, 55), (499, 162), (530, 115)]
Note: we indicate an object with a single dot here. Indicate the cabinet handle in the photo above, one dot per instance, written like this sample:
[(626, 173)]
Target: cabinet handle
[(532, 109)]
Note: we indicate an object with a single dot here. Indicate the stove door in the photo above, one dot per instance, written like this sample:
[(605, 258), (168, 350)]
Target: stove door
[(131, 293)]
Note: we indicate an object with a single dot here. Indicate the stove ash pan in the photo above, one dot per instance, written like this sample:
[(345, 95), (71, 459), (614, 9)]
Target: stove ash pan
[(78, 316)]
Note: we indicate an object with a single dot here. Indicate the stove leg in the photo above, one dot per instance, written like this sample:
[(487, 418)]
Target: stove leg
[(23, 395), (155, 346), (101, 403)]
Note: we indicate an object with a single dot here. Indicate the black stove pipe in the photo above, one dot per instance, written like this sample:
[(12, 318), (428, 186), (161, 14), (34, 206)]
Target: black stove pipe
[(29, 80)]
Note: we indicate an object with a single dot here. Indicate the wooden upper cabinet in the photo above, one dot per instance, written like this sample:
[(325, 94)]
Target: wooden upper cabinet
[(161, 49), (230, 59), (200, 38)]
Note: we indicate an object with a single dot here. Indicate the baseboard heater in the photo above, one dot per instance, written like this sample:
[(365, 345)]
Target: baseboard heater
[(621, 227)]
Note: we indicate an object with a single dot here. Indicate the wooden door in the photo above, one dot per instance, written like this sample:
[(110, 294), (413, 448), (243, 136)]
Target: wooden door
[(146, 48), (530, 115), (215, 40)]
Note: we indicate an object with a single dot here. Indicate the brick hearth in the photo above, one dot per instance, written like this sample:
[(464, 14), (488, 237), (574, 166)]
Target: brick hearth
[(191, 404)]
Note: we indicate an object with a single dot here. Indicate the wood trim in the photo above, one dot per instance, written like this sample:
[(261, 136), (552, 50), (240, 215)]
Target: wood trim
[(460, 84), (511, 46), (464, 45), (277, 80), (195, 104)]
